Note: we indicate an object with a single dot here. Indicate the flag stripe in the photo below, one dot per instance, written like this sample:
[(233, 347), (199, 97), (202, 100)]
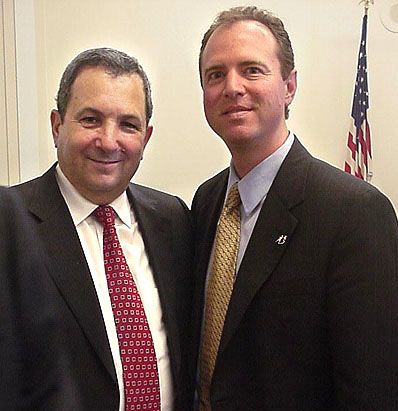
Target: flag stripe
[(359, 149)]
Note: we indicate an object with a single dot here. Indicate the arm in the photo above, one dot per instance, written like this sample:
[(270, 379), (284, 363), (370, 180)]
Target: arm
[(362, 305)]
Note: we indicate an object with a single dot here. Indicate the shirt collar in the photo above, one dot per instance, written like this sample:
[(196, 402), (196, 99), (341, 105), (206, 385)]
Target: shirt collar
[(81, 208), (254, 186)]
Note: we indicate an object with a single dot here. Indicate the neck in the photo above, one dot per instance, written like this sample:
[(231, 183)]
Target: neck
[(245, 157)]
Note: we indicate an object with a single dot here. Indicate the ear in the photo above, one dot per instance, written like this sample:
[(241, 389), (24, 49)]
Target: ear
[(55, 119), (291, 86), (148, 134)]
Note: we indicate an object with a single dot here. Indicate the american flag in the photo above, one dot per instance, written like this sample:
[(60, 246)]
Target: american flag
[(359, 149)]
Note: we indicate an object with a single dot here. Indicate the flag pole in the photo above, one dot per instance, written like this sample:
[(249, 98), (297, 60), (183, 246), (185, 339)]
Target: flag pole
[(367, 3), (359, 147)]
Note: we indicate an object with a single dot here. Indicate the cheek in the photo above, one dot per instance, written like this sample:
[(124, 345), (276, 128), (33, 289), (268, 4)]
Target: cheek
[(210, 106), (133, 146), (63, 145), (75, 148), (210, 98), (281, 94), (272, 100)]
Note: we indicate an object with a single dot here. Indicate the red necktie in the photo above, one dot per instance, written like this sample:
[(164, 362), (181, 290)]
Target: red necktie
[(140, 374)]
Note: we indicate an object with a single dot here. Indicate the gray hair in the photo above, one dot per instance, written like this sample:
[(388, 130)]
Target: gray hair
[(114, 62)]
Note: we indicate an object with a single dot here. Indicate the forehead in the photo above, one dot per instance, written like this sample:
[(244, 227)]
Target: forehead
[(95, 85), (242, 38), (97, 79)]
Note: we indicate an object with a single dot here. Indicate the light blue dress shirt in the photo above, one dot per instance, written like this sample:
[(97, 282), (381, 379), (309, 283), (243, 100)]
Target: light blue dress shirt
[(253, 190)]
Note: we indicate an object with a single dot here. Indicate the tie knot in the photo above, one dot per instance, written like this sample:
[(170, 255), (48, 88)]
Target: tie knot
[(105, 215), (233, 199)]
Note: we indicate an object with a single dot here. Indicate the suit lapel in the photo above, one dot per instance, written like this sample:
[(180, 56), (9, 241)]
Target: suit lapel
[(69, 268), (271, 236), (206, 216), (274, 228), (155, 230)]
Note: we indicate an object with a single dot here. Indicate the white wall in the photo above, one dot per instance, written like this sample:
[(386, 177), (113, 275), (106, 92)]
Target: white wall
[(9, 136), (165, 36)]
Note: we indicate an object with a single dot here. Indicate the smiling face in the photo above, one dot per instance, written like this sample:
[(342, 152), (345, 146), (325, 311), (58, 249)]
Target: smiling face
[(244, 92), (101, 140)]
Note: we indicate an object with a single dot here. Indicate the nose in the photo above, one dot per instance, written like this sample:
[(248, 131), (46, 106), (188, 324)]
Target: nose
[(234, 85), (108, 140)]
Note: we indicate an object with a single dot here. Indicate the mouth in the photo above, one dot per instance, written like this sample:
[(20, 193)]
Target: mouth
[(236, 110), (104, 163)]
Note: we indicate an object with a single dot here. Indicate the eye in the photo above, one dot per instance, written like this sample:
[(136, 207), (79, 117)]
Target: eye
[(253, 71), (89, 121), (129, 126), (214, 76)]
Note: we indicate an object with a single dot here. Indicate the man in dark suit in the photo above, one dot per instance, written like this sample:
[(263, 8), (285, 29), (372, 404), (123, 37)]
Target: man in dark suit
[(34, 371), (100, 129), (310, 323)]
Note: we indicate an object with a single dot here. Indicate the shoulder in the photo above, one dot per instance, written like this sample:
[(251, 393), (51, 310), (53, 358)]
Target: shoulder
[(214, 182), (44, 183), (334, 196), (8, 197), (154, 208), (332, 182), (26, 189), (325, 181), (149, 197), (210, 189), (12, 207), (17, 231)]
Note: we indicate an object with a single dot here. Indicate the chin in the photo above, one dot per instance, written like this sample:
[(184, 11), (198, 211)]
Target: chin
[(237, 136), (105, 184)]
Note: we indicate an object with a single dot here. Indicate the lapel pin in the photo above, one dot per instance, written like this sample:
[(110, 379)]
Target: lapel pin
[(281, 240)]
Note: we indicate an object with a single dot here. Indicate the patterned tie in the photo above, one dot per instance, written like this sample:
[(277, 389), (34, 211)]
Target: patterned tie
[(140, 374), (219, 290)]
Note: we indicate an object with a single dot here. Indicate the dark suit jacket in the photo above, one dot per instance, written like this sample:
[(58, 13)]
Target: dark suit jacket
[(165, 225), (312, 322), (34, 372)]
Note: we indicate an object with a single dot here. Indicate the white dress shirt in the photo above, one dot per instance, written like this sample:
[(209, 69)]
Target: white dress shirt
[(90, 233)]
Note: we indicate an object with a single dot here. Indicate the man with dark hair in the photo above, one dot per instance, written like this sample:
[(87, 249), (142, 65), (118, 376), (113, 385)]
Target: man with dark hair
[(119, 253), (296, 261)]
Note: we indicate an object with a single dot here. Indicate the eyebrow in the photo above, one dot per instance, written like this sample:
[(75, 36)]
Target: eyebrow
[(88, 109), (253, 62), (241, 64), (214, 67)]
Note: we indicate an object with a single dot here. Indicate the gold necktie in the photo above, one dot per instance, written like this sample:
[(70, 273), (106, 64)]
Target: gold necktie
[(219, 290)]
